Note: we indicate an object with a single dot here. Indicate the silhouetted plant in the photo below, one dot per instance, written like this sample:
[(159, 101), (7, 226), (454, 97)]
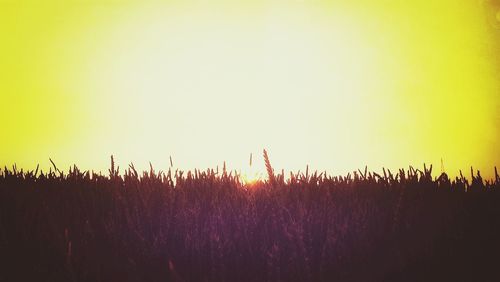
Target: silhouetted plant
[(210, 226)]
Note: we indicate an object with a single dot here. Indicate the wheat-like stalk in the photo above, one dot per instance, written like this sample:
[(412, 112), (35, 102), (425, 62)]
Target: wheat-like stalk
[(269, 168)]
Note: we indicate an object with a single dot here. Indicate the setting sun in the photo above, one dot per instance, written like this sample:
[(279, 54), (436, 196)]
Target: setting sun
[(249, 140)]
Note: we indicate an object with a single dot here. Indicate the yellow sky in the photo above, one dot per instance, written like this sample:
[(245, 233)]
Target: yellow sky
[(334, 84)]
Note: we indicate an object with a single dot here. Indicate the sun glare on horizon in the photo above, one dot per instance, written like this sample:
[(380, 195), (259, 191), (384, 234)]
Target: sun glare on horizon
[(330, 84)]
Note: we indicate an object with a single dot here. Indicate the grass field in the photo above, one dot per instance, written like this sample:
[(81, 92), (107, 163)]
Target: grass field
[(210, 226)]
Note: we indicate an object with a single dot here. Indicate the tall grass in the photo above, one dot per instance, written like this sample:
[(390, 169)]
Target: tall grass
[(206, 225)]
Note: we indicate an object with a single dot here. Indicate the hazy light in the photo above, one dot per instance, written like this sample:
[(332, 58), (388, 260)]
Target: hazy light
[(333, 84)]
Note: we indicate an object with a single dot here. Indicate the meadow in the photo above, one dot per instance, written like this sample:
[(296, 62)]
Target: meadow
[(211, 226)]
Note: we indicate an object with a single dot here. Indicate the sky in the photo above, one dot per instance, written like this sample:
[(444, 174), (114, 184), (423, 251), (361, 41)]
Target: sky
[(336, 85)]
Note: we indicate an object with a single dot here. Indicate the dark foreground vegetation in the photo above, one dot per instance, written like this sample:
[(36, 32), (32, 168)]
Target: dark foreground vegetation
[(208, 226)]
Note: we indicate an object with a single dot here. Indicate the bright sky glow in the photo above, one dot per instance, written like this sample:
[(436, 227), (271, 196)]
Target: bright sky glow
[(334, 84)]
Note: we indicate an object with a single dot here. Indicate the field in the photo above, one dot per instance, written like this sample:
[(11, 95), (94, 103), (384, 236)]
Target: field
[(209, 226)]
